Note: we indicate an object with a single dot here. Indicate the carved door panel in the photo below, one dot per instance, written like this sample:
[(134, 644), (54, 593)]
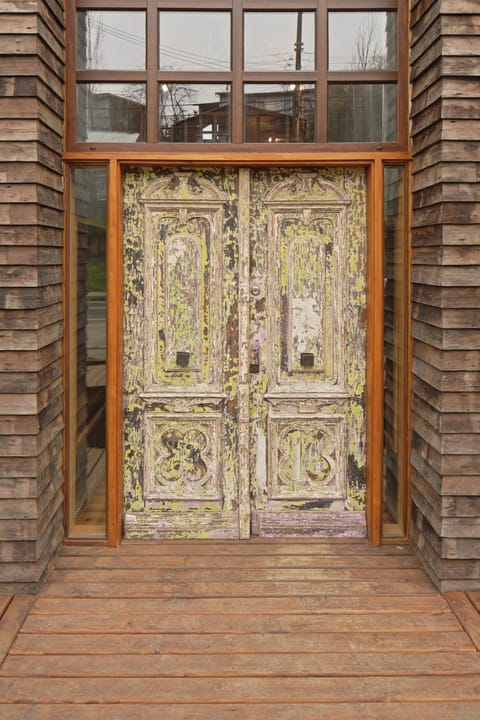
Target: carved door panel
[(244, 352), (180, 357), (308, 242)]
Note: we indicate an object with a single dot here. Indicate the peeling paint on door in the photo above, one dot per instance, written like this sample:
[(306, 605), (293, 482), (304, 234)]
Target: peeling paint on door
[(308, 243), (244, 352), (181, 355)]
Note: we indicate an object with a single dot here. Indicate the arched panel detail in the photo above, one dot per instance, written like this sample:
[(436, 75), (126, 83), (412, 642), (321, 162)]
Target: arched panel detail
[(304, 294), (307, 187), (185, 188), (184, 288)]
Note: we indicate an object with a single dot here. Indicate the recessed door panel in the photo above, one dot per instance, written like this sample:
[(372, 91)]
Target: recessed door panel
[(244, 352)]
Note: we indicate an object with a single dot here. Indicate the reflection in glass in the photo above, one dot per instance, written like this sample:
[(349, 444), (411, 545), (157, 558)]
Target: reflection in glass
[(395, 457), (362, 40), (362, 112), (87, 343), (194, 40), (111, 112), (194, 112), (276, 113), (279, 41), (110, 40)]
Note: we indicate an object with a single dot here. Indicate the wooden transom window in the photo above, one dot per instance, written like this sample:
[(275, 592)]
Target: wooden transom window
[(237, 73)]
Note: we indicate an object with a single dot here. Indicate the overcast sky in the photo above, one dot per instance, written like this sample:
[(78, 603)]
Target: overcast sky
[(117, 40)]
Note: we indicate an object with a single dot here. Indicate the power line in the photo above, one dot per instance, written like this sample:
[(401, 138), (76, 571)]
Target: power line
[(168, 50)]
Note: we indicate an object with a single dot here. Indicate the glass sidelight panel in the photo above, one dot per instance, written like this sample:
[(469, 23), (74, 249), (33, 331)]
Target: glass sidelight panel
[(396, 276), (87, 343)]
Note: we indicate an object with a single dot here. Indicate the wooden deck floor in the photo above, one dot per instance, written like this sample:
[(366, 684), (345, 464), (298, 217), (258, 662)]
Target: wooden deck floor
[(256, 630)]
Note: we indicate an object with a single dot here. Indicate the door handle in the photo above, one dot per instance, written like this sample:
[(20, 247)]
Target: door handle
[(254, 362), (307, 359), (182, 358)]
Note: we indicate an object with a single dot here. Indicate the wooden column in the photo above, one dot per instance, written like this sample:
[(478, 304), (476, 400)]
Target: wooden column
[(445, 57), (31, 216)]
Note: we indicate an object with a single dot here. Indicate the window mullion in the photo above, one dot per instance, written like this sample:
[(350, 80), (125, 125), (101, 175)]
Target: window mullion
[(237, 68), (321, 64), (152, 66), (119, 87)]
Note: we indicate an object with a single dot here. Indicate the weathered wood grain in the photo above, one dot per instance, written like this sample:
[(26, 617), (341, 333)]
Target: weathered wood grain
[(474, 598), (263, 711), (153, 644), (162, 589), (467, 614), (324, 605), (238, 575), (251, 654), (4, 603), (255, 546), (11, 620), (241, 690), (287, 665), (253, 563), (445, 143), (240, 624), (31, 317)]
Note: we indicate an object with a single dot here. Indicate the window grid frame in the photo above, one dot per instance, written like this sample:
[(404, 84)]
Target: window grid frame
[(237, 77)]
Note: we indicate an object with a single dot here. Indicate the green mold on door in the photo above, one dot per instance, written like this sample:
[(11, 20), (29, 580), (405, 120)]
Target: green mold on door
[(244, 352)]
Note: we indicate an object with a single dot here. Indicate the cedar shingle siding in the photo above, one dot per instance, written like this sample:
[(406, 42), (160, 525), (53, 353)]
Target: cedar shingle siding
[(445, 61), (31, 126)]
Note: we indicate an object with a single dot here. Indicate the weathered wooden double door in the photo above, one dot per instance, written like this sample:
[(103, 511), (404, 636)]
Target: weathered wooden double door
[(244, 352)]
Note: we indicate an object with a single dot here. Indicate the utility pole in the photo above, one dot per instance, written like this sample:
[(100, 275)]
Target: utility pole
[(299, 44), (298, 66)]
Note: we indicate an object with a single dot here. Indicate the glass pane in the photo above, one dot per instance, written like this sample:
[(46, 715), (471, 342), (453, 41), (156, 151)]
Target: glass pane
[(279, 41), (111, 112), (87, 342), (395, 458), (195, 41), (279, 113), (194, 112), (362, 41), (362, 112), (108, 40)]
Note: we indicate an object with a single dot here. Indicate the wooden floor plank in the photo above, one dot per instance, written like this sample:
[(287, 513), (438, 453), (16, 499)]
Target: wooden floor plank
[(409, 604), (4, 603), (103, 644), (247, 690), (393, 710), (12, 620), (467, 615), (474, 597), (256, 630), (236, 575), (244, 665), (237, 562), (54, 588), (251, 547), (239, 624)]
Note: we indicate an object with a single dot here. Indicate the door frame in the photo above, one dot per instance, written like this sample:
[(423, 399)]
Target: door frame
[(373, 163)]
